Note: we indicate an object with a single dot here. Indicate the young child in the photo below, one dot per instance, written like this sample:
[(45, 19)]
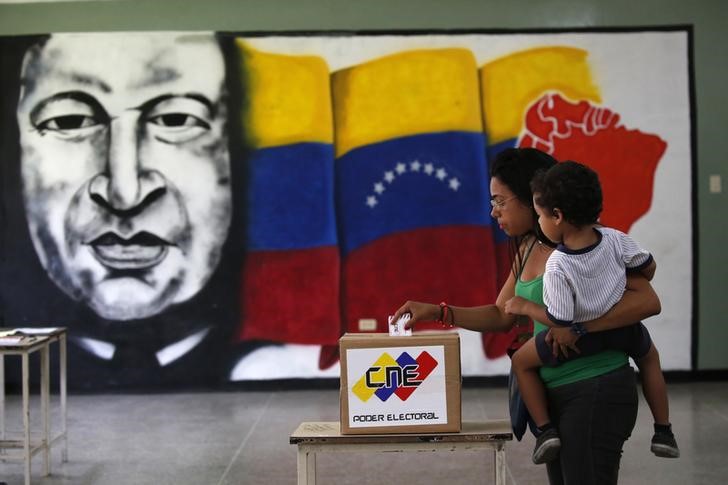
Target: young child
[(584, 277)]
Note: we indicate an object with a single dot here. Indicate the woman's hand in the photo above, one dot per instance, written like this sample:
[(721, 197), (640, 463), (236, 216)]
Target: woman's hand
[(562, 339), (419, 312), (516, 306)]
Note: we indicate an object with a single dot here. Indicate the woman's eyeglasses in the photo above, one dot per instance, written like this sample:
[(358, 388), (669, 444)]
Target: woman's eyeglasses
[(500, 203)]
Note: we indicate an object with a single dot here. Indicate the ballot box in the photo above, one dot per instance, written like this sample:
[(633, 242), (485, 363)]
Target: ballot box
[(400, 384)]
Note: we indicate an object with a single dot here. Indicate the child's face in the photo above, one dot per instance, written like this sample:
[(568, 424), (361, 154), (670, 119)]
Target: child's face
[(547, 220)]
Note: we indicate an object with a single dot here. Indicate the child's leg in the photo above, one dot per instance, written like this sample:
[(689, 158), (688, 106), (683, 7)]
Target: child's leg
[(526, 363), (653, 386)]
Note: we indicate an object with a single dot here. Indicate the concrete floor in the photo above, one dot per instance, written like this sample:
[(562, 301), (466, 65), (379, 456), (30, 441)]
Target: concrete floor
[(242, 438)]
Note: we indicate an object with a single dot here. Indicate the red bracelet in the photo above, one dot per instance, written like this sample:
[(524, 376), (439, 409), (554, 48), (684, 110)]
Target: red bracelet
[(444, 310)]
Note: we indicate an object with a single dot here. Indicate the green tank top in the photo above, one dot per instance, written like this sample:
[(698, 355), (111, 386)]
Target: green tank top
[(577, 369)]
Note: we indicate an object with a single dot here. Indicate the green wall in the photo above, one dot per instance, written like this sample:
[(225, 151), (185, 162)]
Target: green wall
[(711, 70)]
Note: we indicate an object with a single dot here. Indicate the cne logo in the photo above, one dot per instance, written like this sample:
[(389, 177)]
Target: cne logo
[(388, 376)]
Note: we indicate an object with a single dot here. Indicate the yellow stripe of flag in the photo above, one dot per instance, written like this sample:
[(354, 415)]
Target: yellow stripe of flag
[(409, 93), (512, 83), (289, 98)]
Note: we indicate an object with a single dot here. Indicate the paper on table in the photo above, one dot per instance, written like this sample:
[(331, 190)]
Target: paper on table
[(11, 339), (36, 330)]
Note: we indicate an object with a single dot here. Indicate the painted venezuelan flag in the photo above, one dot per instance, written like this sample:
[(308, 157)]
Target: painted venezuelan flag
[(509, 86), (411, 184), (290, 290)]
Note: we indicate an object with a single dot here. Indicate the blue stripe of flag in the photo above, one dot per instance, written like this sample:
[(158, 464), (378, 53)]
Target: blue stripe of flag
[(291, 197), (384, 188)]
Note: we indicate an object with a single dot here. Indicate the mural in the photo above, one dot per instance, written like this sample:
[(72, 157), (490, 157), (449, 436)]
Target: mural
[(204, 208)]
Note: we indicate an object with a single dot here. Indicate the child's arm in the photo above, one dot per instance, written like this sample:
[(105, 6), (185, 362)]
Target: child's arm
[(649, 270), (631, 252), (558, 299), (638, 302), (520, 306)]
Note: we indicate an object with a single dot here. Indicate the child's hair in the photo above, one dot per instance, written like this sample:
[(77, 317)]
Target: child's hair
[(572, 188)]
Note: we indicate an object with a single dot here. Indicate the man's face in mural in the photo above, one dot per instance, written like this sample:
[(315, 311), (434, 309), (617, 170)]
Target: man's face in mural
[(125, 166)]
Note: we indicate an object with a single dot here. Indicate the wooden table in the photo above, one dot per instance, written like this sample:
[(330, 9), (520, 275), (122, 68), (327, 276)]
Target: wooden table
[(325, 437), (39, 341)]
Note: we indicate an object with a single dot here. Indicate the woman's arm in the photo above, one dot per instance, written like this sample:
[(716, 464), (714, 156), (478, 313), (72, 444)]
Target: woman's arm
[(486, 318), (489, 318), (520, 306)]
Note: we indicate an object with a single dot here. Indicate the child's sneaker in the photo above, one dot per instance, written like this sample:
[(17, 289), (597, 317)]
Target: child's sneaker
[(547, 447), (664, 445)]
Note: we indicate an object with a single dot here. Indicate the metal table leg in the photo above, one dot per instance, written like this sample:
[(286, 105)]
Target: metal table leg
[(64, 397), (2, 397), (45, 405), (26, 418)]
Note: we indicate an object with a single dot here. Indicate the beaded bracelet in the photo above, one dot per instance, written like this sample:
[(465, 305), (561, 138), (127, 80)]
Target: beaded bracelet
[(444, 310)]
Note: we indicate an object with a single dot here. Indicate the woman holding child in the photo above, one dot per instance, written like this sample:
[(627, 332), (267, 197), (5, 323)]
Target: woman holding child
[(592, 400)]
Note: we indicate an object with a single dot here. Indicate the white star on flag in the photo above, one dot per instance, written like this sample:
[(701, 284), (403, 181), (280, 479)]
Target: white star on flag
[(400, 173)]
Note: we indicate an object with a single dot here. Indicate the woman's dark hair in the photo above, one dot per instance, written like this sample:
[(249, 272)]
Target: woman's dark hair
[(516, 167), (572, 188)]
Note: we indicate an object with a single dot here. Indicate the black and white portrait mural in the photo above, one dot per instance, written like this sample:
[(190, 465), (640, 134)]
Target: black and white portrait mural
[(202, 208), (125, 167), (125, 178)]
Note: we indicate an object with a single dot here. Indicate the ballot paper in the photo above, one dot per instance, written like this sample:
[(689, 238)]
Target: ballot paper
[(398, 330), (36, 330), (16, 336)]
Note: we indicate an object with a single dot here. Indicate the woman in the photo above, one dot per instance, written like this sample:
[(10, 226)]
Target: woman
[(592, 400)]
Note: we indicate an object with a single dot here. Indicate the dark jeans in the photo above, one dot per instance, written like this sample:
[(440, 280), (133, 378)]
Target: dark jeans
[(594, 418)]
